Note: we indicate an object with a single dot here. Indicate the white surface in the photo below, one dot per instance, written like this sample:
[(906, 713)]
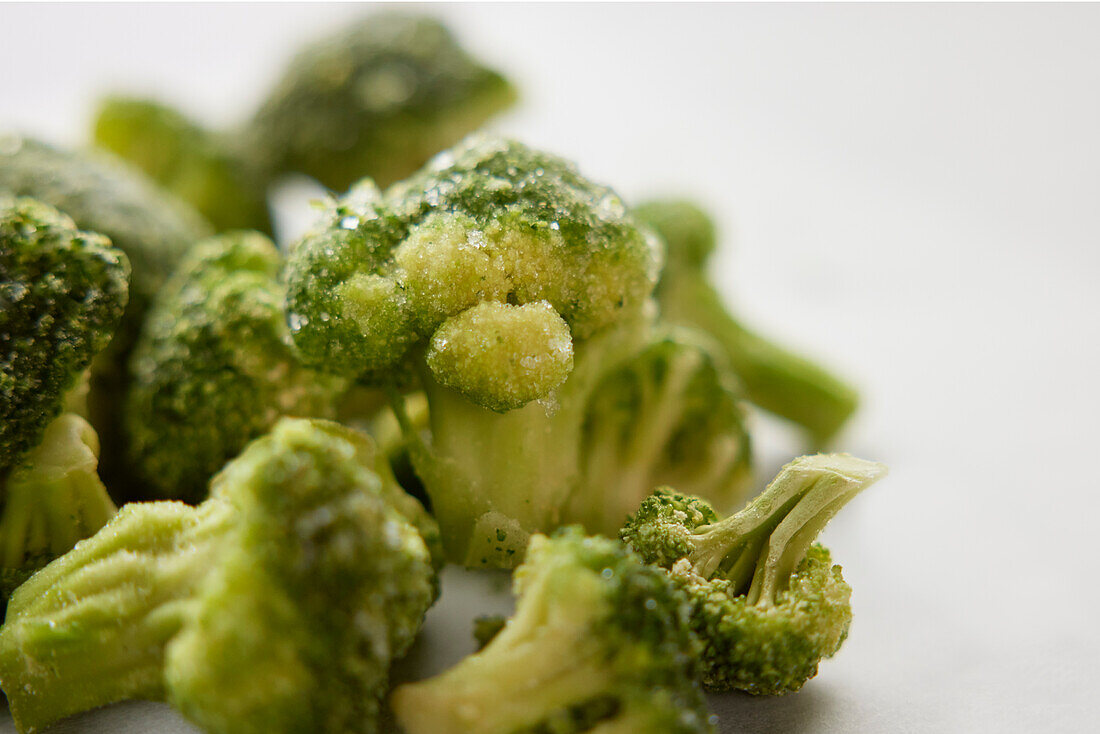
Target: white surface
[(911, 193)]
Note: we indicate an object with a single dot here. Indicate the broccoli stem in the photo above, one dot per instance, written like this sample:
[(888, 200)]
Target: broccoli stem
[(773, 378), (94, 623)]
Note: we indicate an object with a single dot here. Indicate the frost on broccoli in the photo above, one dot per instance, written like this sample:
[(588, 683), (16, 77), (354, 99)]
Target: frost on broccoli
[(671, 415), (214, 172), (276, 605), (62, 293), (377, 98), (510, 284), (214, 367), (768, 603), (774, 379), (599, 643)]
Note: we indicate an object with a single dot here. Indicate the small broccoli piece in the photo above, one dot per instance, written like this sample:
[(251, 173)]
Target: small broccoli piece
[(669, 415), (599, 643), (276, 605), (774, 379), (768, 604), (214, 367), (211, 171), (377, 98), (486, 628), (103, 194), (510, 284)]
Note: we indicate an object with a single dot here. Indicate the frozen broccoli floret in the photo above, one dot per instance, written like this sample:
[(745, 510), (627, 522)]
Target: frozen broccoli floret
[(510, 284), (599, 643), (277, 605), (214, 172), (102, 194), (773, 378), (768, 603), (669, 415), (62, 293), (377, 98), (214, 367)]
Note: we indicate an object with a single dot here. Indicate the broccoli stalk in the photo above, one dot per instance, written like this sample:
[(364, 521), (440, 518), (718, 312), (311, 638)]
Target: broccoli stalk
[(275, 605), (768, 603), (599, 643), (775, 379)]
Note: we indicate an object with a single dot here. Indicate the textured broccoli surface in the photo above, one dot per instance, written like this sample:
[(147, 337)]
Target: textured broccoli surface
[(213, 172), (510, 284), (599, 642), (379, 98), (214, 367), (275, 605), (775, 379), (668, 416), (768, 604)]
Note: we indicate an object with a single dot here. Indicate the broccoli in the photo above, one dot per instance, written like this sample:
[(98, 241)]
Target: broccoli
[(670, 415), (214, 367), (773, 378), (377, 98), (768, 604), (510, 285), (214, 172), (102, 194), (276, 605), (599, 643), (62, 293), (487, 627)]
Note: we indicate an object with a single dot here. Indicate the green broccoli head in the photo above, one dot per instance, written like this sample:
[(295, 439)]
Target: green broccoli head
[(773, 378), (377, 98), (214, 367), (62, 293), (275, 605), (211, 171), (599, 642), (767, 603), (669, 415)]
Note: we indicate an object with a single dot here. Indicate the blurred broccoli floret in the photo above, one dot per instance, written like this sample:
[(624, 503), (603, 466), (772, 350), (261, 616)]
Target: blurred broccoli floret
[(599, 643), (102, 194), (486, 628), (214, 367), (510, 284), (768, 604), (214, 172), (377, 98), (773, 378), (277, 605), (669, 415), (62, 293)]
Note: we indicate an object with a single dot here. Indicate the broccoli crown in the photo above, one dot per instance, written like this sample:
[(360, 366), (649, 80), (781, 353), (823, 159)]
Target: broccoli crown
[(776, 648), (767, 604), (687, 230), (62, 293), (210, 171), (51, 501), (599, 642), (214, 367), (669, 415), (491, 224), (275, 605), (379, 98)]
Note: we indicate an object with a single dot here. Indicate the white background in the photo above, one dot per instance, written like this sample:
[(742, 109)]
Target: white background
[(910, 193)]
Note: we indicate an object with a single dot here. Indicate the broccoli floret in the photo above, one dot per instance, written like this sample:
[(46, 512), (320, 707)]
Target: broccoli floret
[(768, 604), (510, 284), (599, 643), (214, 367), (778, 381), (670, 415), (377, 98), (102, 194), (276, 605), (214, 172)]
